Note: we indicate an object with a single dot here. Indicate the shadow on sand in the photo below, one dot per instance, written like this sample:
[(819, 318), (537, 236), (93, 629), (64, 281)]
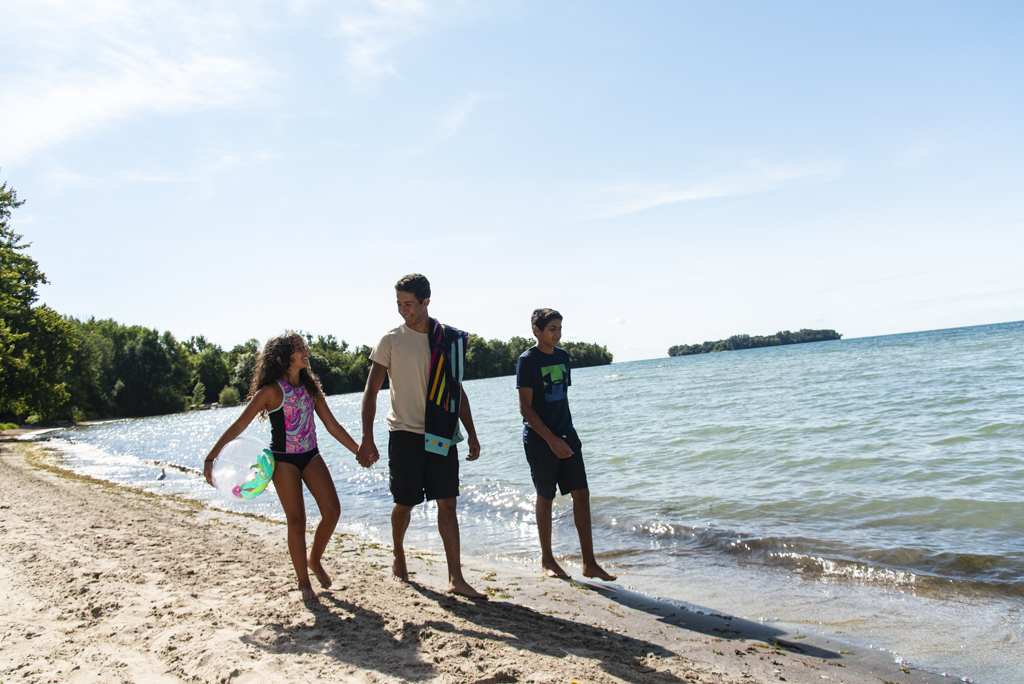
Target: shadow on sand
[(706, 621), (462, 634)]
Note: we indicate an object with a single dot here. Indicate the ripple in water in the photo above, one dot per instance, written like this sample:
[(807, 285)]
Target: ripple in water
[(893, 462)]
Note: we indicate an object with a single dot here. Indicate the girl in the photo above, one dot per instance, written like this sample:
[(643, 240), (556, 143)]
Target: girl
[(285, 390)]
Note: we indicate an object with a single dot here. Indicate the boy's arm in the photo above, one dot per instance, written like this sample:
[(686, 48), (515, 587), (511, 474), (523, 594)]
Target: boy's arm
[(557, 444), (367, 454), (466, 416)]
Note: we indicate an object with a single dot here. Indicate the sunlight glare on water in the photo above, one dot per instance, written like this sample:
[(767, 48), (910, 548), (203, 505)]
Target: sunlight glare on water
[(878, 467)]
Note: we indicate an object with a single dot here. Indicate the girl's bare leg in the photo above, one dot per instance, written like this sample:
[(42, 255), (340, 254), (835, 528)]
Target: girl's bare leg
[(320, 484), (288, 483)]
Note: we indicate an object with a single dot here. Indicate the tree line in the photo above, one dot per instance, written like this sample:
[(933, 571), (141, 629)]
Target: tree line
[(60, 368), (752, 342), (494, 358)]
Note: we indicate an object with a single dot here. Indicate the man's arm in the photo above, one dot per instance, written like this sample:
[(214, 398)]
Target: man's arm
[(367, 454), (557, 444), (466, 416)]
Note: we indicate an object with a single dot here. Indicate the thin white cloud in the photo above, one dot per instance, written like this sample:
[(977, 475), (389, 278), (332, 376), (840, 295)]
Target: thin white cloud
[(448, 124), (73, 67), (758, 178), (203, 172), (453, 120), (374, 29)]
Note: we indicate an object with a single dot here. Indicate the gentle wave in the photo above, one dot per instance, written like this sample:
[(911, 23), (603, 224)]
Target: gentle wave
[(891, 462)]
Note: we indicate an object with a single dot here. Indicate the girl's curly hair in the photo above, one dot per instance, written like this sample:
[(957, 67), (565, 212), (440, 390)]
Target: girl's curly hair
[(273, 363)]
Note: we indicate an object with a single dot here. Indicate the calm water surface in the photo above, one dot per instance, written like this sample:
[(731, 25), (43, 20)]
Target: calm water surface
[(873, 487)]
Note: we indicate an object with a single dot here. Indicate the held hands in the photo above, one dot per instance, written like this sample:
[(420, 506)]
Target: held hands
[(560, 448), (367, 454), (208, 471)]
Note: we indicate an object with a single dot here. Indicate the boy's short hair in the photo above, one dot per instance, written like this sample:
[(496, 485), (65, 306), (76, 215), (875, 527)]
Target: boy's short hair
[(416, 284), (541, 317)]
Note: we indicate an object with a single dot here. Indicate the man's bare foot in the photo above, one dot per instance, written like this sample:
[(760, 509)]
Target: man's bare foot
[(399, 572), (318, 570), (553, 569), (308, 595), (596, 571), (462, 588)]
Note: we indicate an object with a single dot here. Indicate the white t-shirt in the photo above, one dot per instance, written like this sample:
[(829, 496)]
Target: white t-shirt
[(406, 355)]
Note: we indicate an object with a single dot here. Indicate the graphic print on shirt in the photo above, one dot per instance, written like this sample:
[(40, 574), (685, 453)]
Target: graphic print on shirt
[(300, 431), (554, 382)]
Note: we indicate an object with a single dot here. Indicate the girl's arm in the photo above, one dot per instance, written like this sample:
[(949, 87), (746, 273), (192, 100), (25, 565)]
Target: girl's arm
[(260, 401), (334, 427)]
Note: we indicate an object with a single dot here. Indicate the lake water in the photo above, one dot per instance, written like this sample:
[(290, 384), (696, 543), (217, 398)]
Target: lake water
[(872, 488)]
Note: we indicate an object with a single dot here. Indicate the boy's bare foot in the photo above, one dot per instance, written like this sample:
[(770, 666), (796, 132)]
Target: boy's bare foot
[(308, 595), (596, 571), (553, 569), (399, 572), (318, 570), (462, 588)]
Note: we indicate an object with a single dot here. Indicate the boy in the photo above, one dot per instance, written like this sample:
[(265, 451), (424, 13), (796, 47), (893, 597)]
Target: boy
[(552, 447), (422, 456)]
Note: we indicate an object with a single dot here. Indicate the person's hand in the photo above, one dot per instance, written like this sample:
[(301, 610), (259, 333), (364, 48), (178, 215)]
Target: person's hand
[(367, 454), (208, 471), (560, 448), (474, 448)]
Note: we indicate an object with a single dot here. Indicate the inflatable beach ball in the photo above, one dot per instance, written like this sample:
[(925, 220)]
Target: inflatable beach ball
[(243, 468)]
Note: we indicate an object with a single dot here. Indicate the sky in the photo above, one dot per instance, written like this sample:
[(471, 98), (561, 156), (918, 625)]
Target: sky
[(660, 172)]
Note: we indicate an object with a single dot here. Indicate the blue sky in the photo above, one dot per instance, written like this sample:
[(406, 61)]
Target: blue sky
[(660, 172)]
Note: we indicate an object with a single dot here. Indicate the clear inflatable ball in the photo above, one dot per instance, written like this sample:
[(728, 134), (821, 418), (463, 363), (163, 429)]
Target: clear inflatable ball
[(243, 468)]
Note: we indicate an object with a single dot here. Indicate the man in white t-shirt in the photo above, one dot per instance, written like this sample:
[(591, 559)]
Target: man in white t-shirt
[(416, 473)]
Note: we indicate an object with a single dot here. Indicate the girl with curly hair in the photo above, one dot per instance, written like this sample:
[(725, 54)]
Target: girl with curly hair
[(286, 391)]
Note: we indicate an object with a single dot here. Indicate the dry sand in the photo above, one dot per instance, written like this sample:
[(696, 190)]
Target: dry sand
[(101, 583)]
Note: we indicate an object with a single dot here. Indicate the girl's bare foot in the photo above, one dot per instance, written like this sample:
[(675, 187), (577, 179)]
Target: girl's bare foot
[(308, 595), (553, 569), (399, 572), (318, 569), (598, 572), (462, 588)]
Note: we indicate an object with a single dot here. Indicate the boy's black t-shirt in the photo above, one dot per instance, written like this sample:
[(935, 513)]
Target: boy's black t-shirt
[(549, 377)]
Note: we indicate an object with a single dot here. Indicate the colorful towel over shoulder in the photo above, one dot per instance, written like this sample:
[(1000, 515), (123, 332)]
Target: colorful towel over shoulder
[(444, 387)]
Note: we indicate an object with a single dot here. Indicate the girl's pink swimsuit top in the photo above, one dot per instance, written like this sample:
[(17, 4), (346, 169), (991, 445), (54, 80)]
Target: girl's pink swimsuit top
[(291, 424)]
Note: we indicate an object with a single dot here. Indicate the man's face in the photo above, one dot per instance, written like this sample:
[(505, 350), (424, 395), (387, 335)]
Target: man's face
[(410, 308), (551, 335)]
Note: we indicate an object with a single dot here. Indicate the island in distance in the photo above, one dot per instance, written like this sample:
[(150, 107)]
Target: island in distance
[(747, 342)]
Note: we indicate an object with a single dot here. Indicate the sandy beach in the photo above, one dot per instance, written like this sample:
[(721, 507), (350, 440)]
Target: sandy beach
[(102, 583)]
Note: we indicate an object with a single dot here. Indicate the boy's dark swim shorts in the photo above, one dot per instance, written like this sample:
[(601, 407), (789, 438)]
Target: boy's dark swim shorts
[(416, 472), (548, 470)]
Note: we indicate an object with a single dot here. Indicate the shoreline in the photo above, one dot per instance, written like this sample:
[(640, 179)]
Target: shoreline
[(104, 581)]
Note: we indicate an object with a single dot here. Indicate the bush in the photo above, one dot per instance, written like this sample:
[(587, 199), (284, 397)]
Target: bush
[(8, 426), (228, 396)]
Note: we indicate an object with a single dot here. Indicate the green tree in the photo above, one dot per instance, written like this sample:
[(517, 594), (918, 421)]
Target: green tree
[(199, 394), (241, 374), (210, 367), (494, 358), (124, 370), (36, 344)]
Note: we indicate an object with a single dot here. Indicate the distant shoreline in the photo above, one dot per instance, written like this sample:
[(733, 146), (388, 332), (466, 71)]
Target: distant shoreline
[(738, 342)]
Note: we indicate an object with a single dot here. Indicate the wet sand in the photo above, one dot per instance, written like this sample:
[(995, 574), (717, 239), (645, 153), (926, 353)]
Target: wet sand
[(102, 583)]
